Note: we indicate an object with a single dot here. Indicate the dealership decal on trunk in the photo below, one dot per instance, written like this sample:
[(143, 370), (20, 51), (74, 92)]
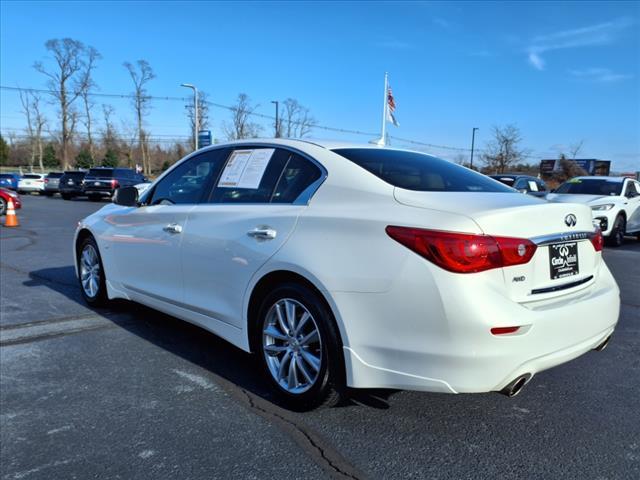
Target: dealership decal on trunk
[(563, 259)]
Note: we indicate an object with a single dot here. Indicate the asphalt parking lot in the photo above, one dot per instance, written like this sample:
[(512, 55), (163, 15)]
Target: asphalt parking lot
[(129, 392)]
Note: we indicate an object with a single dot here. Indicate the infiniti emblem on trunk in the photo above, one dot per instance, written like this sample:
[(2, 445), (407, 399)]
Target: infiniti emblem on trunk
[(570, 220)]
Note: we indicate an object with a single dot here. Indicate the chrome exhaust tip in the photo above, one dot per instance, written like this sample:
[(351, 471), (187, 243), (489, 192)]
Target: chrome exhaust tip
[(516, 386), (603, 345)]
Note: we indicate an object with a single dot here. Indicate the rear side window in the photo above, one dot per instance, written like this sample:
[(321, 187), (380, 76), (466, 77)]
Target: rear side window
[(188, 182), (420, 172), (228, 186), (297, 176), (54, 175)]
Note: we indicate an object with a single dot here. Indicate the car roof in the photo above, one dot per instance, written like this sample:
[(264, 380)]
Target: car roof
[(597, 177)]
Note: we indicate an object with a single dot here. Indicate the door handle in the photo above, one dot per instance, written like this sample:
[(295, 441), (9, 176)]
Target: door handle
[(173, 228), (262, 233)]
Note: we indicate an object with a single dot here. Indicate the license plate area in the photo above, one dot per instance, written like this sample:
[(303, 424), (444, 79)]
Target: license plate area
[(563, 260)]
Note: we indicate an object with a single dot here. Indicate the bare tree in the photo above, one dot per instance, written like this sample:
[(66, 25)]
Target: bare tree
[(504, 150), (109, 137), (68, 57), (575, 149), (140, 77), (296, 120), (85, 86), (203, 116), (26, 109), (241, 126), (461, 159)]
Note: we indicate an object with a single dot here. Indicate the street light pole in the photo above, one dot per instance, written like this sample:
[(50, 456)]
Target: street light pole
[(277, 119), (473, 140), (196, 123)]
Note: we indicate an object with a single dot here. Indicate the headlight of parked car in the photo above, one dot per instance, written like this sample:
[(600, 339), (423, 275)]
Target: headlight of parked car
[(599, 208)]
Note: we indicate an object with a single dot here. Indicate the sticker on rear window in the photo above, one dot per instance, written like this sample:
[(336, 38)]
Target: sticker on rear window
[(245, 168)]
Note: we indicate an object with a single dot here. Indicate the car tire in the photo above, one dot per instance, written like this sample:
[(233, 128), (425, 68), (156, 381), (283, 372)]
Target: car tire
[(3, 206), (616, 237), (66, 196), (48, 194), (307, 385), (91, 276), (95, 198)]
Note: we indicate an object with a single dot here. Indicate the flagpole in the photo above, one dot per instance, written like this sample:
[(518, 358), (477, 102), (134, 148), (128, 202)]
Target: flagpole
[(382, 140)]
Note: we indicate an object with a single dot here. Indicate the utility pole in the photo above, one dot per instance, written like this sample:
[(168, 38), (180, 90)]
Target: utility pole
[(473, 140), (196, 123), (277, 134)]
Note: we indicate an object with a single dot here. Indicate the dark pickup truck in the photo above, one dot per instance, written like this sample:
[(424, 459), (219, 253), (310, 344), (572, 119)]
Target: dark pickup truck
[(103, 181)]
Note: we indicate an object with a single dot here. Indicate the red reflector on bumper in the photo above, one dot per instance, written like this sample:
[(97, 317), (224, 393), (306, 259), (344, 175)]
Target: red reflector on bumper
[(504, 330)]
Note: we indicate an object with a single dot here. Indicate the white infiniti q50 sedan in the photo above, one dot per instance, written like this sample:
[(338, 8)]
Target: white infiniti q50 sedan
[(355, 265)]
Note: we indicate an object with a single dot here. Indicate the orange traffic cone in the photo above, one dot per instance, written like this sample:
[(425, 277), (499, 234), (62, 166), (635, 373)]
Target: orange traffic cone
[(11, 219)]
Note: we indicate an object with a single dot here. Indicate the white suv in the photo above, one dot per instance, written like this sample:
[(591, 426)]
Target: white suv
[(614, 202)]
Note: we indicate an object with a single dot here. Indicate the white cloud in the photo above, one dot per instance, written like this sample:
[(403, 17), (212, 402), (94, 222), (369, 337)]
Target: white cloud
[(600, 75), (536, 60), (593, 35)]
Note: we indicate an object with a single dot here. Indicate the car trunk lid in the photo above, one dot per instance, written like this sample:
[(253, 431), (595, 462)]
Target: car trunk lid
[(565, 259)]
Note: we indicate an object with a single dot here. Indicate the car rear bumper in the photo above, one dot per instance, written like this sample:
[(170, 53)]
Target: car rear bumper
[(409, 338), (30, 188), (102, 193)]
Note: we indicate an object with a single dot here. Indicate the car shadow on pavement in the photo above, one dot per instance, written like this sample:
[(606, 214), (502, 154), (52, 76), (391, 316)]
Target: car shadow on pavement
[(188, 341)]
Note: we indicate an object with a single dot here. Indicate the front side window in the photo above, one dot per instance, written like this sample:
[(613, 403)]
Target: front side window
[(188, 182), (420, 172), (632, 190)]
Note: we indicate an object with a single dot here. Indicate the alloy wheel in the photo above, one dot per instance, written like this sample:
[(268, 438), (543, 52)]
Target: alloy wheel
[(292, 346), (90, 271)]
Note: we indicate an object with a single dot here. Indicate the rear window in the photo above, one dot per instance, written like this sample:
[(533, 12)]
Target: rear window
[(74, 174), (506, 180), (7, 175), (31, 177), (420, 172), (54, 175), (100, 172)]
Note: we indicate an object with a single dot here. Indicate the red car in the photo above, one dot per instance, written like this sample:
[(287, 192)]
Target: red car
[(5, 196)]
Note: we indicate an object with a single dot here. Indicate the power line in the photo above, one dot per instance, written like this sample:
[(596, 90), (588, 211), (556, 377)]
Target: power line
[(259, 115)]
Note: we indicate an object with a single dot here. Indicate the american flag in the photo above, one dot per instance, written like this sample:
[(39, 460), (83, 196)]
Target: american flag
[(391, 108)]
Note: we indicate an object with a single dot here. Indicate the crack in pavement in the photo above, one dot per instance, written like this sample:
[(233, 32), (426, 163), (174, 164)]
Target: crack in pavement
[(311, 443)]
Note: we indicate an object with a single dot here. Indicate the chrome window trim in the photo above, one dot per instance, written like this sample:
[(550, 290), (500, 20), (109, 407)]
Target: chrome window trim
[(562, 237)]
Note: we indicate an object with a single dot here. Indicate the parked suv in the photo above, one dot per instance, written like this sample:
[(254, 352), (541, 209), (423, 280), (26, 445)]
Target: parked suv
[(523, 183), (103, 182), (31, 183), (52, 183), (70, 184)]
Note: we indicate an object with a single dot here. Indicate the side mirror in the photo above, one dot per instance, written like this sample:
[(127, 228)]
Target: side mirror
[(126, 196)]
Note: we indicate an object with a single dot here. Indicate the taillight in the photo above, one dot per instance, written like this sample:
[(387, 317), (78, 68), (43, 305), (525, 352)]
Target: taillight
[(46, 180), (114, 183), (464, 252), (597, 240)]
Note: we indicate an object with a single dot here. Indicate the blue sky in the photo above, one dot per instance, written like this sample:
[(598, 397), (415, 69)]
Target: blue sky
[(562, 72)]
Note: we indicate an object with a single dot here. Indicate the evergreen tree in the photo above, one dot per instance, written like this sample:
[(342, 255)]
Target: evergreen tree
[(83, 159), (49, 159), (110, 158)]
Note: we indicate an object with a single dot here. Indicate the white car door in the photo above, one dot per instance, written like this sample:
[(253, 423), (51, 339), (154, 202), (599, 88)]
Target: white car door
[(243, 224), (632, 199), (146, 240)]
